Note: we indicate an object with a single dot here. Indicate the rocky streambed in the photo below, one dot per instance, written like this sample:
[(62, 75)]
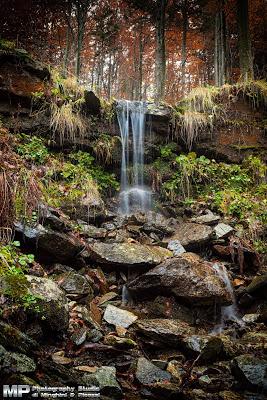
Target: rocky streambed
[(144, 306)]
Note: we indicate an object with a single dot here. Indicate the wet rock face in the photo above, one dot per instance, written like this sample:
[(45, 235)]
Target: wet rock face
[(189, 278), (191, 235), (128, 254), (148, 373), (51, 301)]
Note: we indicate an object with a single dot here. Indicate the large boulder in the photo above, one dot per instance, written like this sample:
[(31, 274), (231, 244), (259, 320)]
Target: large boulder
[(169, 331), (251, 371), (189, 278), (52, 245), (51, 302), (105, 379), (128, 254), (191, 235)]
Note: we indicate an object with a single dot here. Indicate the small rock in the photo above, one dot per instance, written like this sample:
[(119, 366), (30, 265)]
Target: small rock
[(59, 358), (118, 317), (208, 347), (176, 247), (148, 373), (255, 340), (122, 343), (74, 283), (107, 297), (91, 231), (250, 318), (222, 230), (105, 378), (209, 218), (79, 336), (176, 370), (94, 336)]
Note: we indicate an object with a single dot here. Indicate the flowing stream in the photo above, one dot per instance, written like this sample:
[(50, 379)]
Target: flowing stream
[(134, 196), (228, 313)]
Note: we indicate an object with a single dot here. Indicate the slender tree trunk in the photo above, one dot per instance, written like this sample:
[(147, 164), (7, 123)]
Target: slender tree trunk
[(140, 63), (220, 53), (184, 44), (160, 62), (245, 53), (67, 53)]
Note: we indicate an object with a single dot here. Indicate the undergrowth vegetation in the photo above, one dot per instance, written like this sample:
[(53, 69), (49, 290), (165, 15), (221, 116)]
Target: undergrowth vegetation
[(13, 268), (204, 107), (235, 190)]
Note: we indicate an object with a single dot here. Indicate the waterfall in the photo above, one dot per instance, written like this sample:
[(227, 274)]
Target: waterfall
[(228, 313), (134, 196)]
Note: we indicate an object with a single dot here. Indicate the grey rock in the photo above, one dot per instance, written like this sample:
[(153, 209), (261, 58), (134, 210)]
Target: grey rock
[(119, 317), (168, 331), (176, 247), (191, 235), (258, 285), (222, 230), (15, 362), (91, 231), (251, 370), (94, 336), (208, 347), (128, 254), (79, 336), (14, 339), (51, 244), (74, 283), (187, 277), (105, 378), (148, 373), (209, 219), (51, 301)]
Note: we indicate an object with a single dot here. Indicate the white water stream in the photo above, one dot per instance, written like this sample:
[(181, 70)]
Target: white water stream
[(228, 313), (134, 196)]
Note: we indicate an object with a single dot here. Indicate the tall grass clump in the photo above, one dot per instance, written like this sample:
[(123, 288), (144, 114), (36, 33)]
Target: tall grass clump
[(196, 114), (67, 123)]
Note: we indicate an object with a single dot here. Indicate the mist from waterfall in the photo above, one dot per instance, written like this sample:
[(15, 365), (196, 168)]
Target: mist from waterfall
[(134, 196)]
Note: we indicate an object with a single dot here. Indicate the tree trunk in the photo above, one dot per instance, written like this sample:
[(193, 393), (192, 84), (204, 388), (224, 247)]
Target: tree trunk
[(245, 53), (140, 63), (220, 52), (160, 61), (67, 53), (184, 37)]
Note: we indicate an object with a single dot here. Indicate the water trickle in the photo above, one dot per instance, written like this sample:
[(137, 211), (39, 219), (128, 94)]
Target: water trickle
[(228, 313), (134, 196)]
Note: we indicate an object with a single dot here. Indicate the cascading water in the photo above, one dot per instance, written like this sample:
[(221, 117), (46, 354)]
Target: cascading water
[(134, 196), (228, 313)]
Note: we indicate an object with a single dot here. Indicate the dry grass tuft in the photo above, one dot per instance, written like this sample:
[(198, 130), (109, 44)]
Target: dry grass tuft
[(67, 123)]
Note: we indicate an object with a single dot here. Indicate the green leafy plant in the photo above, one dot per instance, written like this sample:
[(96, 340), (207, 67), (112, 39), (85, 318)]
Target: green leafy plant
[(13, 266), (33, 149)]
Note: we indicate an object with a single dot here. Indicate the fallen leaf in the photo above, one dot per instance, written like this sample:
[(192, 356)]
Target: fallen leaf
[(106, 297), (86, 368)]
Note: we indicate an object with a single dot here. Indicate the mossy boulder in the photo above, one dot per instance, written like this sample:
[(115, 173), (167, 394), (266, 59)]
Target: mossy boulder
[(51, 303), (14, 339)]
